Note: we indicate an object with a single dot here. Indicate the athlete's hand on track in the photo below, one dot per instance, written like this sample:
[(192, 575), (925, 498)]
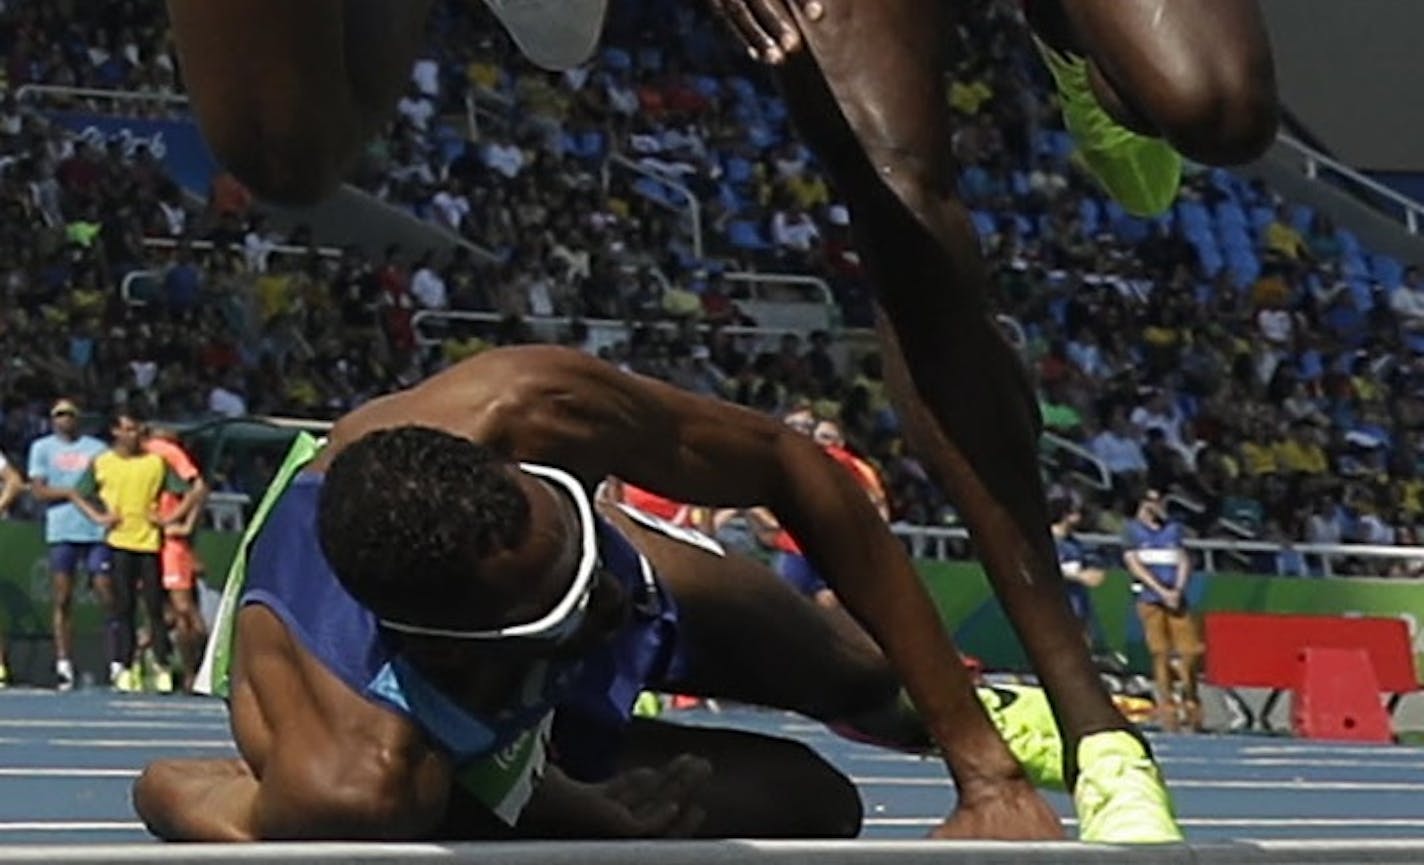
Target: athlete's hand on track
[(657, 803), (768, 28)]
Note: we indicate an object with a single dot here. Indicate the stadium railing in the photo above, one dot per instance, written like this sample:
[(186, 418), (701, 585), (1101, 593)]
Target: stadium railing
[(31, 92), (1318, 166), (938, 542), (693, 206)]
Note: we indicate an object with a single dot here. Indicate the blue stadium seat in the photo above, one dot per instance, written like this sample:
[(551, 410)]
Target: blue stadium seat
[(763, 136), (1262, 217), (984, 223), (1349, 244), (650, 57), (1301, 216), (617, 60), (1090, 210), (743, 89), (1018, 183), (745, 234), (774, 110), (1388, 272), (652, 189), (1353, 266), (739, 171), (1229, 213), (1245, 267), (1131, 229), (1193, 216), (592, 145), (707, 86)]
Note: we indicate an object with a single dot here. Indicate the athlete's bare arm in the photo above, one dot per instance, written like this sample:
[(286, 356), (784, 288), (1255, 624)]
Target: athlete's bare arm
[(318, 761)]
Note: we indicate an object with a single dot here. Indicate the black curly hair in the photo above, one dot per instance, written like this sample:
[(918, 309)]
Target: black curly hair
[(406, 515)]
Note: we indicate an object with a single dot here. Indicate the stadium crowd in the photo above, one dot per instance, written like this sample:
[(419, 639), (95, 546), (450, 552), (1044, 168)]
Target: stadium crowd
[(1242, 354)]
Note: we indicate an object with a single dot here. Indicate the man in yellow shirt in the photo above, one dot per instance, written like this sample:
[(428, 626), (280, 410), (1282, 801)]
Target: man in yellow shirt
[(1301, 453), (120, 490)]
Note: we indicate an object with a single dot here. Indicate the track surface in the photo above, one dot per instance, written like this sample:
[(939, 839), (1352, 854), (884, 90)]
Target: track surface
[(67, 760)]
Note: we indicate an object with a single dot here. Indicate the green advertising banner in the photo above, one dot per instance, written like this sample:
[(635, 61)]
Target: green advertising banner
[(26, 598), (959, 589), (967, 603)]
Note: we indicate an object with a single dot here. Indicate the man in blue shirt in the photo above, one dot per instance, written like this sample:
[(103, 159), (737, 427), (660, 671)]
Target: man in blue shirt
[(1081, 571), (57, 461), (1161, 569)]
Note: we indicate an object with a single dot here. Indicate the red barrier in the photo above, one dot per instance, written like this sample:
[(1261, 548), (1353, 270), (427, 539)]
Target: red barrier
[(1336, 666), (1255, 650), (1337, 698)]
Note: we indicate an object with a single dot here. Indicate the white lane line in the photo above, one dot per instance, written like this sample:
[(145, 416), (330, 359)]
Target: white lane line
[(63, 724), (1201, 784), (64, 772), (1292, 762), (202, 707), (140, 743), (1218, 822), (1331, 750), (69, 826)]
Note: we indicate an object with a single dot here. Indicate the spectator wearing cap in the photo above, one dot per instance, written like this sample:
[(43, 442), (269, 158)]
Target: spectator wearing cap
[(1161, 569), (75, 542)]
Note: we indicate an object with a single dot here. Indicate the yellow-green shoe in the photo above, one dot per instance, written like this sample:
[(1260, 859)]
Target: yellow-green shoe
[(4, 677), (648, 705), (1120, 796), (1025, 721), (129, 680), (1140, 173), (162, 680)]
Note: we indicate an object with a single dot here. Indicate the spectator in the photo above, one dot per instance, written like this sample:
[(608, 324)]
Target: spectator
[(1080, 571), (75, 542), (178, 562), (1161, 570), (126, 482), (427, 285), (1118, 449)]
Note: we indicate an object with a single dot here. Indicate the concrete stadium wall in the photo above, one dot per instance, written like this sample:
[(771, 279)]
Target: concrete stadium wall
[(1353, 72)]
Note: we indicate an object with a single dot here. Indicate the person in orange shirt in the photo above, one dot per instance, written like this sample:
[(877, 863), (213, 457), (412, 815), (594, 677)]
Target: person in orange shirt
[(794, 567), (179, 515)]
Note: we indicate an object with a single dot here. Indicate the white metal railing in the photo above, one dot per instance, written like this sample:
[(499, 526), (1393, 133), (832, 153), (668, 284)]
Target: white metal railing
[(605, 331), (933, 542), (693, 208), (474, 110), (812, 284), (208, 245), (1013, 331), (29, 92), (1101, 478), (126, 286), (1315, 162)]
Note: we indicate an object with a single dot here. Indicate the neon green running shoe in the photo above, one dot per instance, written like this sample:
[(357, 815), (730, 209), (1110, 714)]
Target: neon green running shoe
[(1120, 796), (1025, 720), (648, 705), (129, 680), (4, 676), (1140, 173)]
